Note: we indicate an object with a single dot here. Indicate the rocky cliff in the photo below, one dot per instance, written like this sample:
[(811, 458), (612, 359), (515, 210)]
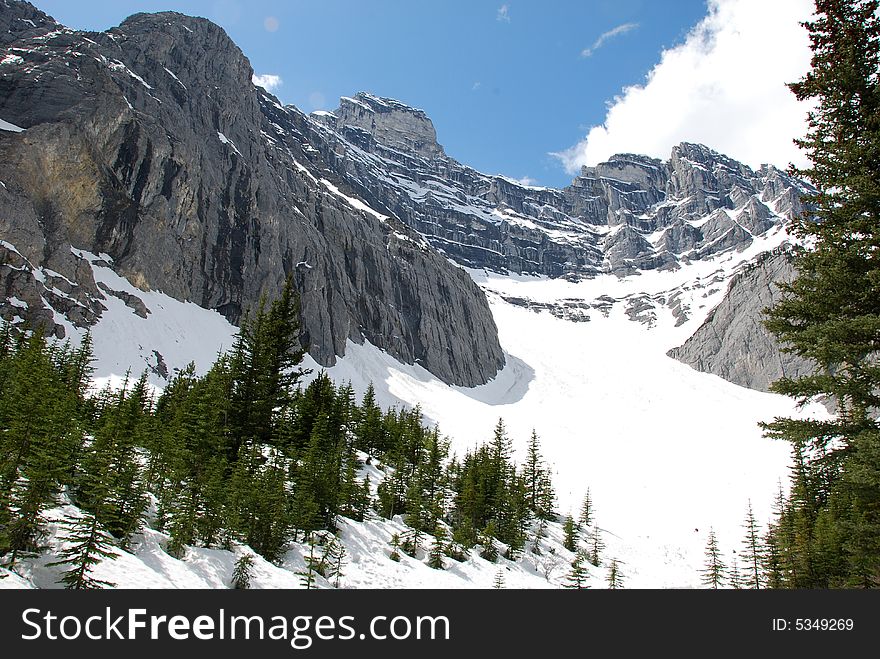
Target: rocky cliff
[(149, 143), (629, 214), (733, 342)]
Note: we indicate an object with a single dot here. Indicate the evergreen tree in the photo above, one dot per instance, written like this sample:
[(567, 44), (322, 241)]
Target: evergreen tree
[(735, 580), (540, 495), (241, 572), (540, 534), (411, 542), (753, 551), (87, 545), (596, 547), (831, 311), (40, 428), (435, 556), (333, 560), (307, 576), (490, 549), (571, 534), (264, 369), (615, 576), (395, 547), (370, 430), (578, 576), (498, 583), (110, 484), (714, 572), (586, 516)]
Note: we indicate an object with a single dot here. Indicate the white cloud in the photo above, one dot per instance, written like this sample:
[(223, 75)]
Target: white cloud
[(526, 180), (503, 14), (268, 81), (605, 36), (476, 86), (724, 86)]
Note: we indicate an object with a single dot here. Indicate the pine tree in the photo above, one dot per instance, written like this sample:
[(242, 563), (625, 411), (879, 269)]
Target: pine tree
[(111, 484), (333, 560), (540, 495), (264, 369), (370, 431), (498, 583), (307, 575), (411, 542), (241, 572), (571, 534), (735, 580), (831, 311), (586, 516), (39, 430), (753, 551), (540, 534), (615, 576), (578, 576), (490, 549), (395, 548), (596, 547), (715, 571), (435, 556), (775, 541), (87, 545)]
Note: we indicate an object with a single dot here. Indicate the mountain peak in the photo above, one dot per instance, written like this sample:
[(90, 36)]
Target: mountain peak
[(390, 122)]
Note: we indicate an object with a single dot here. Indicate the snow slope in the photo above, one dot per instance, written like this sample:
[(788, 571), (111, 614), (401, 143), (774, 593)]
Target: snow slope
[(366, 563), (666, 451)]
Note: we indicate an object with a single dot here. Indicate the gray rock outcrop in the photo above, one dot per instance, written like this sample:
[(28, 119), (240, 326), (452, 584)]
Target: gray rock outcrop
[(149, 142), (628, 214), (733, 342)]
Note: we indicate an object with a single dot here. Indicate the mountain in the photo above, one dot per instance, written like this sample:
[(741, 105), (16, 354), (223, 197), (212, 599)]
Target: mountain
[(732, 342), (630, 214), (150, 192), (150, 144)]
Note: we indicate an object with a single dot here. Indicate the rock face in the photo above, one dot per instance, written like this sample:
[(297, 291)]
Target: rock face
[(150, 144), (629, 214), (392, 123), (733, 343)]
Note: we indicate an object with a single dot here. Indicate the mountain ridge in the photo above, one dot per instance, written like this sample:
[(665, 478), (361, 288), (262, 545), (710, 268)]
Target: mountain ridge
[(150, 149), (604, 221), (139, 143)]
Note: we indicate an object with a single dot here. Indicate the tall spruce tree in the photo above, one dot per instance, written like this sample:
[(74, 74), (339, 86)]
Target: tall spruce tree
[(264, 364), (615, 576), (753, 551), (714, 572), (586, 516), (831, 311), (596, 547), (539, 490)]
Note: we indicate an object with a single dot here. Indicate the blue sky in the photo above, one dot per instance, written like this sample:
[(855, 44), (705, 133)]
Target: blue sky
[(506, 83)]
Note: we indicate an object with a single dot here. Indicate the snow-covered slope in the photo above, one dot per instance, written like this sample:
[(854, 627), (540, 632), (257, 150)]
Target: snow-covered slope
[(366, 563), (666, 451)]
